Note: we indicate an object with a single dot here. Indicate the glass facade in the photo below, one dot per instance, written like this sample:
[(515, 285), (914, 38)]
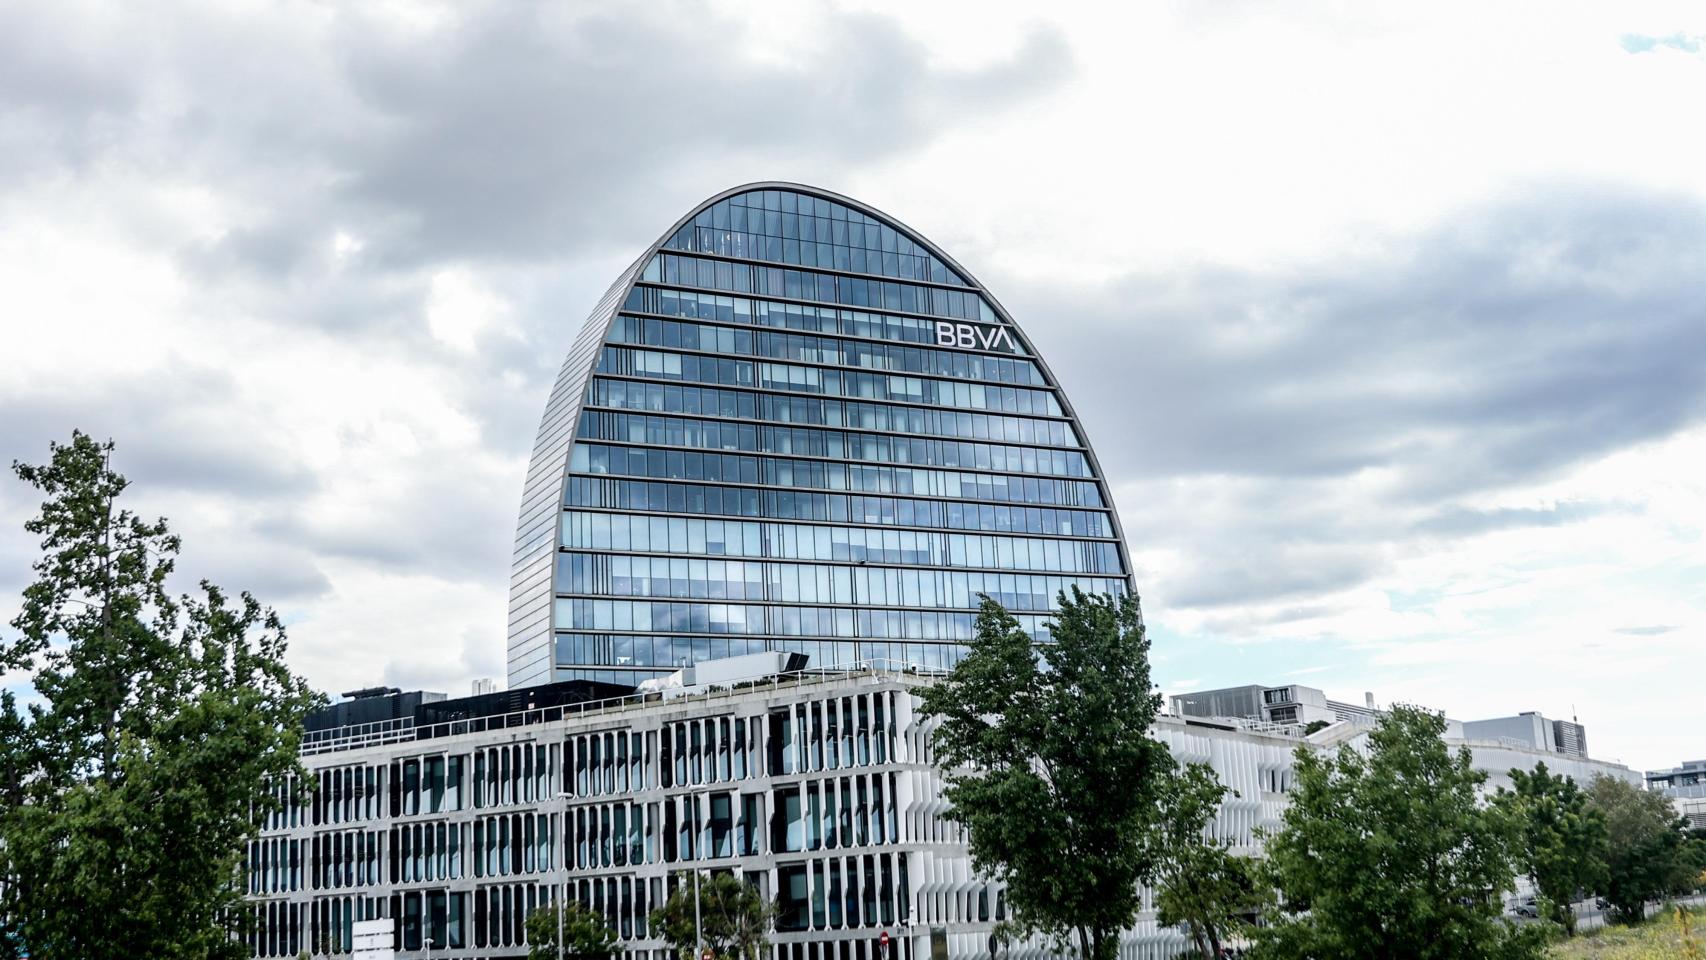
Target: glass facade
[(794, 425)]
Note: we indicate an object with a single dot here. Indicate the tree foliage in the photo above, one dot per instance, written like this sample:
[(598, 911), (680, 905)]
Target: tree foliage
[(1647, 856), (1199, 883), (1052, 769), (1560, 839), (1391, 855), (735, 917), (586, 935), (132, 784)]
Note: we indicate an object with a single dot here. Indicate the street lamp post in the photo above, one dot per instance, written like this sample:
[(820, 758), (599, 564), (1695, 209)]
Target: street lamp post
[(429, 946)]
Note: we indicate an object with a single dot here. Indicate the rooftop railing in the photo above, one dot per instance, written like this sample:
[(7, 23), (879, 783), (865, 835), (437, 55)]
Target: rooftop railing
[(1292, 730), (356, 736)]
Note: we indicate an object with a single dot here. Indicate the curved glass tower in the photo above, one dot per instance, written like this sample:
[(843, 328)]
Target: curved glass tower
[(794, 424)]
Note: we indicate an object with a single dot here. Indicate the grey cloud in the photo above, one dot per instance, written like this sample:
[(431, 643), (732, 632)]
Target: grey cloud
[(480, 658), (176, 429), (1269, 573), (1232, 620), (1291, 433), (47, 78), (528, 133), (519, 131), (1463, 521), (444, 521), (1524, 339), (188, 449), (279, 575), (532, 139)]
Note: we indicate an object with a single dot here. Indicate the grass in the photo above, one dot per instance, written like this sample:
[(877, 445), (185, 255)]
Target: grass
[(1672, 935)]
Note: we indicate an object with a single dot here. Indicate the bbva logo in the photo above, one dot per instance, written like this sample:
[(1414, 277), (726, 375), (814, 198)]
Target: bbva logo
[(951, 334)]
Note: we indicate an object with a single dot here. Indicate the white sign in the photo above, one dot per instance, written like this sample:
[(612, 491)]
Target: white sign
[(371, 940), (972, 335)]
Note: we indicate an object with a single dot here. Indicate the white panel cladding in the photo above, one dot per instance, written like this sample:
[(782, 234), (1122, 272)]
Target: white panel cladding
[(530, 651), (942, 890)]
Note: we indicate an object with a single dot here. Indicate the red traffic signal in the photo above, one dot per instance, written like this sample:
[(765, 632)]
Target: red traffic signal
[(884, 939)]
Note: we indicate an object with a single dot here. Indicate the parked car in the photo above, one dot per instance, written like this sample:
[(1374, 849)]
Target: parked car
[(1523, 907)]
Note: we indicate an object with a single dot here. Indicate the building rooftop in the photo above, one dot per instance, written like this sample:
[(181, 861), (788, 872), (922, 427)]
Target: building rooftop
[(391, 716)]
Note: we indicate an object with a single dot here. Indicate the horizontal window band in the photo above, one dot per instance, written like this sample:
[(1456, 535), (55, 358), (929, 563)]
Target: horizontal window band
[(967, 287), (937, 498), (771, 391), (1047, 388), (757, 327), (975, 531), (870, 431), (786, 604), (820, 491), (811, 458)]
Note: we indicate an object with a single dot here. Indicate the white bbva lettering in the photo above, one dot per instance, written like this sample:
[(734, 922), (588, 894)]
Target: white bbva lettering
[(968, 335)]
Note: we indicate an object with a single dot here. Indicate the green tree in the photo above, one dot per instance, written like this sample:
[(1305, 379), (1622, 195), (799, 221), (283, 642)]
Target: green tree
[(1560, 839), (1694, 857), (1646, 857), (134, 782), (586, 935), (1199, 884), (1052, 769), (736, 919), (1391, 856)]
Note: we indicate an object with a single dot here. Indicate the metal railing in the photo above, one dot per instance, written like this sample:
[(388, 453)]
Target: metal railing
[(356, 736), (1292, 730)]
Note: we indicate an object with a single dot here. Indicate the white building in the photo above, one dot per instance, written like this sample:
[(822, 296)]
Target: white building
[(454, 819), (1686, 786), (1534, 730), (1291, 703)]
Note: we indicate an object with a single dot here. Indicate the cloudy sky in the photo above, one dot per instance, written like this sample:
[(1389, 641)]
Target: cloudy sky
[(1388, 321)]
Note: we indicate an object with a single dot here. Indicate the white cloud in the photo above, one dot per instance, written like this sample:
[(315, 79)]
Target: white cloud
[(460, 309)]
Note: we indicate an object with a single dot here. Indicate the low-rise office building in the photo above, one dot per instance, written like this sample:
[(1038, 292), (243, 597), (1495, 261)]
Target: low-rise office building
[(1686, 787), (1688, 780), (455, 819), (458, 821), (1497, 758), (1496, 746), (1291, 703), (1533, 730)]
